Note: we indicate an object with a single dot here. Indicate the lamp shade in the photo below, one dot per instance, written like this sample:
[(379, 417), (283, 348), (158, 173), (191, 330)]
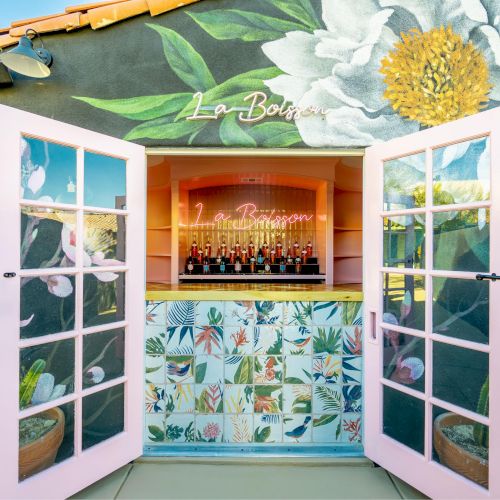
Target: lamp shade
[(26, 60)]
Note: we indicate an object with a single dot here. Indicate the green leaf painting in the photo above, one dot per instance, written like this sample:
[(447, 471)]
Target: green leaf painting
[(276, 134), (244, 373), (232, 134), (231, 24), (301, 10), (201, 370), (262, 435), (163, 128)]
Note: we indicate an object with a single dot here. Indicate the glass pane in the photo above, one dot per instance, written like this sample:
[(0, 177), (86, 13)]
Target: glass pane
[(103, 415), (404, 241), (404, 182), (404, 300), (47, 305), (459, 375), (462, 240), (46, 372), (45, 439), (460, 309), (47, 238), (404, 359), (103, 356), (48, 171), (403, 418), (461, 172), (461, 444), (104, 239), (105, 181), (103, 298)]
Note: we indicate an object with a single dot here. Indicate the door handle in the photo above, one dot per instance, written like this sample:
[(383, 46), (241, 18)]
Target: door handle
[(9, 275), (492, 277)]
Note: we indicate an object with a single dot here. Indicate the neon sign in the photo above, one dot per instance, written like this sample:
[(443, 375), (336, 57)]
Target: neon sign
[(249, 216)]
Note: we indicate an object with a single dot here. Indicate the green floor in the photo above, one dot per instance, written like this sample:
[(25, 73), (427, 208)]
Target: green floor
[(244, 479)]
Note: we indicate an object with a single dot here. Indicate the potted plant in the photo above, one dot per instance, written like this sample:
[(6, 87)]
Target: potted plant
[(462, 444)]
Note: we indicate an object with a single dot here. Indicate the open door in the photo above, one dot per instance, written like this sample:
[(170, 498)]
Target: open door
[(432, 367), (72, 214)]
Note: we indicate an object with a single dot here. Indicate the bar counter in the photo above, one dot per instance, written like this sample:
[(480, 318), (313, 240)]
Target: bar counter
[(255, 291)]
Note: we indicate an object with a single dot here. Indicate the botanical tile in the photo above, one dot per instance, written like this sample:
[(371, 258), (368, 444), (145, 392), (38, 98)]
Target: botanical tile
[(238, 369), (326, 428), (209, 313), (179, 428), (298, 369), (351, 369), (352, 313), (327, 369), (209, 428), (269, 313), (209, 398), (351, 428), (297, 340), (154, 430), (181, 313), (238, 399), (179, 398), (298, 313), (154, 369), (238, 428), (351, 394), (238, 339), (353, 338), (156, 312), (297, 428), (180, 340), (268, 399), (154, 398), (155, 331), (179, 369), (297, 398), (327, 340), (268, 340), (209, 340), (327, 399), (268, 369), (268, 429), (239, 313), (209, 369), (327, 313)]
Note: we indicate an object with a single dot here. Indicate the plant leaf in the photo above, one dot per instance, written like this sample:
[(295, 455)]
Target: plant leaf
[(157, 434), (301, 10), (201, 370), (323, 420), (163, 128), (146, 107), (263, 435), (155, 347), (243, 374), (231, 24), (276, 134), (187, 64), (231, 134)]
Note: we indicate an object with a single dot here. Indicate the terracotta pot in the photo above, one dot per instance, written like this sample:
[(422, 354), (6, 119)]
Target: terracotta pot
[(455, 457), (41, 453)]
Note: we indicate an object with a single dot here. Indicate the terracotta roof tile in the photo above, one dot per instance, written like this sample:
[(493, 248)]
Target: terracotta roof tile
[(88, 6), (24, 22), (104, 16), (157, 7), (66, 22)]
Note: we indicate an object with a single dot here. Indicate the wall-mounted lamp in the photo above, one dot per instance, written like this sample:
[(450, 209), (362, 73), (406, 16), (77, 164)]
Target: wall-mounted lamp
[(26, 60)]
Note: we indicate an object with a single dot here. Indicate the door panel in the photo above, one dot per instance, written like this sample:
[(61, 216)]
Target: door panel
[(432, 368), (72, 213)]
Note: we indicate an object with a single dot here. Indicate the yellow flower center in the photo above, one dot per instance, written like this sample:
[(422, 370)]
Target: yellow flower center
[(434, 77)]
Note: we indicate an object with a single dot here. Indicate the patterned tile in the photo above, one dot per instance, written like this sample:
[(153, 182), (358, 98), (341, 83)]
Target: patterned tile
[(297, 398), (352, 313), (268, 399), (327, 369), (154, 430), (328, 313), (209, 398), (351, 369), (154, 398), (298, 313), (239, 313), (327, 340), (209, 313), (268, 340), (209, 339), (268, 369), (181, 313), (238, 399), (327, 428), (238, 339), (298, 369), (297, 428), (268, 429), (155, 331), (209, 369), (179, 340), (238, 428), (238, 369), (353, 340), (352, 396), (179, 398), (297, 340), (351, 428), (209, 428), (155, 369), (327, 399), (269, 313), (179, 369), (156, 312), (179, 428)]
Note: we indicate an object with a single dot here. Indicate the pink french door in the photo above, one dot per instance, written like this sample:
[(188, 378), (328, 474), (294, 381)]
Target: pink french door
[(432, 309), (71, 305)]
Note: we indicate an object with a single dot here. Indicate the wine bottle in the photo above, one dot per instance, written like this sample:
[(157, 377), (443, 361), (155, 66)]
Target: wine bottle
[(279, 250), (267, 266), (282, 265), (231, 256), (296, 249), (194, 250), (222, 266), (200, 257), (223, 249), (273, 256), (252, 264), (298, 265), (289, 259), (206, 265), (251, 249), (218, 258), (237, 265), (243, 256), (309, 249), (208, 249), (304, 255), (190, 265), (260, 257), (265, 249), (237, 249)]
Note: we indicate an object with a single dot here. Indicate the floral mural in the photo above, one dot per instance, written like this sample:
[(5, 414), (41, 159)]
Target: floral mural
[(376, 69)]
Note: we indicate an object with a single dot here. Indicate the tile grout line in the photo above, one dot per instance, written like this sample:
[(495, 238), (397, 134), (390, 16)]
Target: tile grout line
[(125, 479)]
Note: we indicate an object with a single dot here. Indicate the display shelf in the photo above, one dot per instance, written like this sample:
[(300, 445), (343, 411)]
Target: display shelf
[(347, 228), (158, 255), (251, 277), (159, 228)]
